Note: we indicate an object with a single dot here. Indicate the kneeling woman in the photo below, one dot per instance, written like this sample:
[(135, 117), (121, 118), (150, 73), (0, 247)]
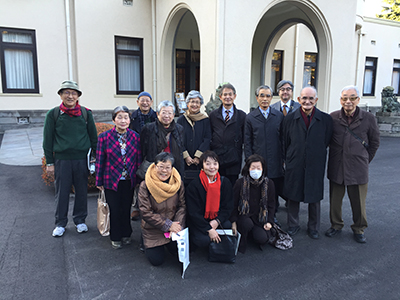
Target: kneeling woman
[(254, 202), (117, 159), (209, 202), (162, 206)]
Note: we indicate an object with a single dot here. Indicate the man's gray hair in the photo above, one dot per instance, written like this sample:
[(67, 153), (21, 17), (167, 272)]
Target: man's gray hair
[(227, 86), (165, 103), (263, 87), (193, 95), (310, 86), (350, 87), (282, 83)]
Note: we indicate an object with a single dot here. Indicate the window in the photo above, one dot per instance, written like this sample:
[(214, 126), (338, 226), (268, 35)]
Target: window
[(19, 72), (276, 69), (396, 76), (187, 70), (369, 76), (129, 65), (310, 67)]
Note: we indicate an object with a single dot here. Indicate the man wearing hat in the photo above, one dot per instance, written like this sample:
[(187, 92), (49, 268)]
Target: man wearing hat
[(287, 104), (144, 114), (69, 132)]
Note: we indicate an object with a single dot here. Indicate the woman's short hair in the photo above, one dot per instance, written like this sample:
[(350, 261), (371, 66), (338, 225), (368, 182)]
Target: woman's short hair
[(164, 157), (119, 109), (208, 154), (251, 159), (165, 103), (193, 95)]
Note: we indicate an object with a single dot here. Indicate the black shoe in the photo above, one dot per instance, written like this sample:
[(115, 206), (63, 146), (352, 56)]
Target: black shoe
[(360, 238), (293, 230), (331, 232), (313, 234)]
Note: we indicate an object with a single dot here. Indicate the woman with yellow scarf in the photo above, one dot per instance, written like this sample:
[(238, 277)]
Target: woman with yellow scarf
[(162, 206)]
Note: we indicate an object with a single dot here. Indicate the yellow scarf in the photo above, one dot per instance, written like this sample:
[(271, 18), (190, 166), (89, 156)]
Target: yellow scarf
[(160, 190)]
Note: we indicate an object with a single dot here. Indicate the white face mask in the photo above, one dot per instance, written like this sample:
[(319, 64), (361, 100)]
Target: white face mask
[(255, 174)]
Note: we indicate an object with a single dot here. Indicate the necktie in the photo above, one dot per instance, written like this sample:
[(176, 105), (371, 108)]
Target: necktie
[(227, 116), (265, 115), (285, 110)]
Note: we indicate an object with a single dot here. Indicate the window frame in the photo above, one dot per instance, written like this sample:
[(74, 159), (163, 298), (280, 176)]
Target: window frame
[(396, 69), (19, 46), (373, 68), (135, 53)]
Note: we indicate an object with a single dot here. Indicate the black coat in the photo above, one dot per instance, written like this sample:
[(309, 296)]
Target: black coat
[(135, 121), (148, 143), (262, 136), (196, 138), (305, 155), (226, 133)]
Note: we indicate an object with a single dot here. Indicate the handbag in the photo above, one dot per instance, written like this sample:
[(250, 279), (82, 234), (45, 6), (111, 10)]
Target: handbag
[(225, 250), (103, 215), (279, 238), (141, 171)]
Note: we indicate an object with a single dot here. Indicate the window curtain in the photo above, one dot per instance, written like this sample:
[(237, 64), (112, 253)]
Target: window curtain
[(368, 79), (396, 81), (306, 76), (129, 73)]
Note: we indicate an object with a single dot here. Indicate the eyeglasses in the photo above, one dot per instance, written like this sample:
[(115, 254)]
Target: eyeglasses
[(144, 100), (304, 98), (67, 93), (285, 89), (352, 99), (195, 102), (162, 168), (265, 96), (166, 113)]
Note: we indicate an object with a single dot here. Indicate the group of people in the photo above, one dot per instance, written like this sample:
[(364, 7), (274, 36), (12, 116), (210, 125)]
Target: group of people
[(192, 166)]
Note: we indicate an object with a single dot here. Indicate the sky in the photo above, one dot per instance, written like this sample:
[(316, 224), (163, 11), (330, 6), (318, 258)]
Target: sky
[(372, 7)]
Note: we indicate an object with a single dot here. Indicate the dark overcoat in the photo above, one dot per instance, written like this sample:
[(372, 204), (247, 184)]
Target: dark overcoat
[(348, 158), (262, 136), (305, 155), (135, 120), (225, 134)]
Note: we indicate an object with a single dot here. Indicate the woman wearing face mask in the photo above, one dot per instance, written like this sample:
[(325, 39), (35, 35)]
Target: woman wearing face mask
[(254, 203)]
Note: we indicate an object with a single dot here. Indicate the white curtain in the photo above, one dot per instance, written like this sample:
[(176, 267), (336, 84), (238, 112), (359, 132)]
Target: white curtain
[(396, 81), (129, 73), (368, 81), (306, 76)]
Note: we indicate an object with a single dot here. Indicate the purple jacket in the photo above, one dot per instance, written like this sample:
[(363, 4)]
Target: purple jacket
[(109, 161)]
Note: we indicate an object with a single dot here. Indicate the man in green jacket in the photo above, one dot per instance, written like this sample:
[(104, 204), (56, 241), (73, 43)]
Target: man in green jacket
[(69, 132)]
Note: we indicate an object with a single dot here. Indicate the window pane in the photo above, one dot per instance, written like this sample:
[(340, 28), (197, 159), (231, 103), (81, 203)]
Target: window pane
[(369, 63), (12, 37), (396, 81), (128, 44), (19, 69), (128, 73), (180, 57), (310, 58), (368, 79), (396, 64)]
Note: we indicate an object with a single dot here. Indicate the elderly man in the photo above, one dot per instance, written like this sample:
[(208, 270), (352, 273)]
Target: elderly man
[(164, 135), (262, 136), (306, 134), (69, 132), (354, 143), (144, 114), (286, 105), (227, 128)]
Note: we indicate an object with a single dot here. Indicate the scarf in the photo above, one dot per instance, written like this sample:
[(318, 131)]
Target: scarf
[(144, 119), (244, 199), (213, 191), (162, 141), (160, 190), (192, 118), (72, 112)]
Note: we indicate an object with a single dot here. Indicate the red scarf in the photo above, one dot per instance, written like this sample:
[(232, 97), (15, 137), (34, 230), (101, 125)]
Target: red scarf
[(213, 191), (72, 112)]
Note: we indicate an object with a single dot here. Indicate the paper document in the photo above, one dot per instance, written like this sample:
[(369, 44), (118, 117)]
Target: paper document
[(182, 241)]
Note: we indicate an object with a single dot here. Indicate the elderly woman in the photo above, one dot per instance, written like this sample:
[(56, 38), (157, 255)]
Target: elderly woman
[(197, 131), (117, 159), (254, 202), (209, 202), (163, 135), (162, 206)]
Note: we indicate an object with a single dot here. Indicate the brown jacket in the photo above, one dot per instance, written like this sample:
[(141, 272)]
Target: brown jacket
[(348, 158), (156, 215)]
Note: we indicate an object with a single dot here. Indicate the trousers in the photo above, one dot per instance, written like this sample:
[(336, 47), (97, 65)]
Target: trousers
[(314, 214), (246, 226), (156, 255)]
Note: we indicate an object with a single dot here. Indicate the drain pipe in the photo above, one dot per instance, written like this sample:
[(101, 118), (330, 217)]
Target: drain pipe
[(154, 48), (69, 51), (296, 49)]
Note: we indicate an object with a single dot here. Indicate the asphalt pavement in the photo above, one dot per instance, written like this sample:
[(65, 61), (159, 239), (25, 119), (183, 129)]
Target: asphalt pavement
[(35, 265)]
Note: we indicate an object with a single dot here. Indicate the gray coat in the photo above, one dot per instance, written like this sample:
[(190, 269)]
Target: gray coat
[(305, 155), (293, 106), (262, 136), (348, 158)]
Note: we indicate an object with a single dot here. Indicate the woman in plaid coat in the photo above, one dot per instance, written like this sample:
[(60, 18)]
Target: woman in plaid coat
[(117, 159)]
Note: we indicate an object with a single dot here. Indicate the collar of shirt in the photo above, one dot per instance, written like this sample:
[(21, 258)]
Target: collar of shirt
[(224, 110), (287, 104), (264, 111)]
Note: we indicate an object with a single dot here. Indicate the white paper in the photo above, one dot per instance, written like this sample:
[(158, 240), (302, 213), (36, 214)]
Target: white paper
[(182, 241)]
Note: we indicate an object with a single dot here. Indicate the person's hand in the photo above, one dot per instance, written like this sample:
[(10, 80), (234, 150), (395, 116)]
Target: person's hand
[(101, 188), (267, 226), (196, 161), (189, 160), (214, 237), (214, 224), (50, 170), (175, 227), (234, 228)]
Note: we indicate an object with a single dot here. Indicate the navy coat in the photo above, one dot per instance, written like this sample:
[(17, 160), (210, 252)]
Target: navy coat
[(135, 121)]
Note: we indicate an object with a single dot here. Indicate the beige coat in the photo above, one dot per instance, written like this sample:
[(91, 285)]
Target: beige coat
[(155, 215)]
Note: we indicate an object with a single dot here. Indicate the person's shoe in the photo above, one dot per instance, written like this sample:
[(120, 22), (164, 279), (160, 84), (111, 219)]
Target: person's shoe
[(313, 234), (126, 241), (293, 230), (331, 232), (58, 231), (135, 215), (116, 244), (81, 228), (360, 238)]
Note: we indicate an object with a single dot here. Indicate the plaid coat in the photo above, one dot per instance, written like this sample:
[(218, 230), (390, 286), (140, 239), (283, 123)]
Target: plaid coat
[(109, 161)]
